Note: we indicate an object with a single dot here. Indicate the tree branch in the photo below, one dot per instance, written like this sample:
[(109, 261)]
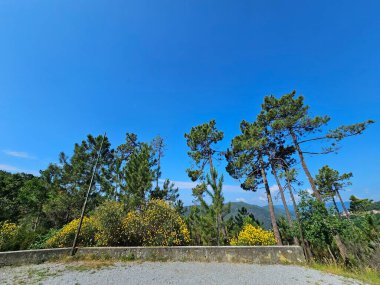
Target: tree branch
[(315, 153), (315, 139)]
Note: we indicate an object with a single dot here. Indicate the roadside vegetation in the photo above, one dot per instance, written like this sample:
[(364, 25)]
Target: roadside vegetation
[(367, 275), (131, 204)]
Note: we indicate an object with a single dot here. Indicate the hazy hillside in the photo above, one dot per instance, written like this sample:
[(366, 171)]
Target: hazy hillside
[(260, 213), (328, 205)]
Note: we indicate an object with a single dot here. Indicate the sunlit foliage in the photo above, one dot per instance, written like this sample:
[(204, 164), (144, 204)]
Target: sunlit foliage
[(158, 224), (251, 235), (8, 233)]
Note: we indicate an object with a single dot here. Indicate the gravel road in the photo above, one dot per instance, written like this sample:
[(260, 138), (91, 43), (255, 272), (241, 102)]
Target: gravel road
[(146, 273)]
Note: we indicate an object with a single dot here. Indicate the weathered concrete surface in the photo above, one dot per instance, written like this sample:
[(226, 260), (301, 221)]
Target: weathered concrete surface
[(32, 256), (246, 254), (238, 254)]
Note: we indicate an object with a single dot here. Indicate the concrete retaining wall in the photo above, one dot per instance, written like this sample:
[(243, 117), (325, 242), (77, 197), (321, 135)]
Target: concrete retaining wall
[(246, 254), (32, 256)]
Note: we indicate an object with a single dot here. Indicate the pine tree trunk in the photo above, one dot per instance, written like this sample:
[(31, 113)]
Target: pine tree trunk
[(217, 227), (270, 203), (36, 223), (158, 170), (331, 254), (288, 216), (308, 250), (305, 245), (341, 246), (217, 212), (336, 206), (223, 229), (304, 166), (343, 206), (38, 218), (217, 231)]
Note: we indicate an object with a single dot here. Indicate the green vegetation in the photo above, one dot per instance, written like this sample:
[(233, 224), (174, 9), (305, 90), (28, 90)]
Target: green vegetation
[(208, 221), (130, 203), (367, 275), (88, 265), (156, 224), (253, 235)]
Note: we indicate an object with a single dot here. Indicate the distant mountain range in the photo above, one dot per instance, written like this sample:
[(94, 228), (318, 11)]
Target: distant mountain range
[(262, 213), (328, 205)]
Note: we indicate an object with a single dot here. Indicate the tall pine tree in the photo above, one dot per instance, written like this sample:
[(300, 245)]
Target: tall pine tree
[(246, 162), (202, 140)]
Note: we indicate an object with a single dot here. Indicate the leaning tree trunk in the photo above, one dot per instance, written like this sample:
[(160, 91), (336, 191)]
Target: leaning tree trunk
[(270, 204), (304, 166), (336, 206), (342, 248), (305, 245), (343, 206), (288, 216)]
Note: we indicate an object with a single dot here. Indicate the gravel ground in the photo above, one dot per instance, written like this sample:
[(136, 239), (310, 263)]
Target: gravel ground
[(146, 273)]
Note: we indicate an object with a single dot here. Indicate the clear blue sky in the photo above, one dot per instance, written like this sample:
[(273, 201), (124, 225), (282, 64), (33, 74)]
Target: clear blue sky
[(69, 68)]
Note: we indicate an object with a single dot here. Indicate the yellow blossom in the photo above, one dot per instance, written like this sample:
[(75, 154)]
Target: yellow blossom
[(251, 235)]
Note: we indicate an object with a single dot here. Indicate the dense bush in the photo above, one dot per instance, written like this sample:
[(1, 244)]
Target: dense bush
[(41, 239), (251, 235), (362, 241), (108, 219), (158, 224), (320, 227), (8, 236), (65, 236), (17, 237), (133, 229)]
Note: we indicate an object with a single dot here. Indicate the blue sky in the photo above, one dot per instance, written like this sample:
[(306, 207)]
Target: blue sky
[(69, 68)]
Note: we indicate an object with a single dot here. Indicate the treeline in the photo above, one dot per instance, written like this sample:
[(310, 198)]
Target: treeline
[(130, 174), (273, 145)]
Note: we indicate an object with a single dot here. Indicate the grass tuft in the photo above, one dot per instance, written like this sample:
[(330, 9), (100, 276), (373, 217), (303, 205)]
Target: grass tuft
[(367, 275), (82, 266)]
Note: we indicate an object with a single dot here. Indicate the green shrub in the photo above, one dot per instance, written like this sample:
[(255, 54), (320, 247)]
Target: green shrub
[(16, 237), (41, 240), (8, 236), (108, 219), (158, 224)]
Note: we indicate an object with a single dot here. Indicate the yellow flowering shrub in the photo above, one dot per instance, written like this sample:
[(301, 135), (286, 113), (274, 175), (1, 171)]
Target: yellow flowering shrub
[(133, 229), (108, 219), (158, 224), (65, 236), (251, 235), (8, 234)]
